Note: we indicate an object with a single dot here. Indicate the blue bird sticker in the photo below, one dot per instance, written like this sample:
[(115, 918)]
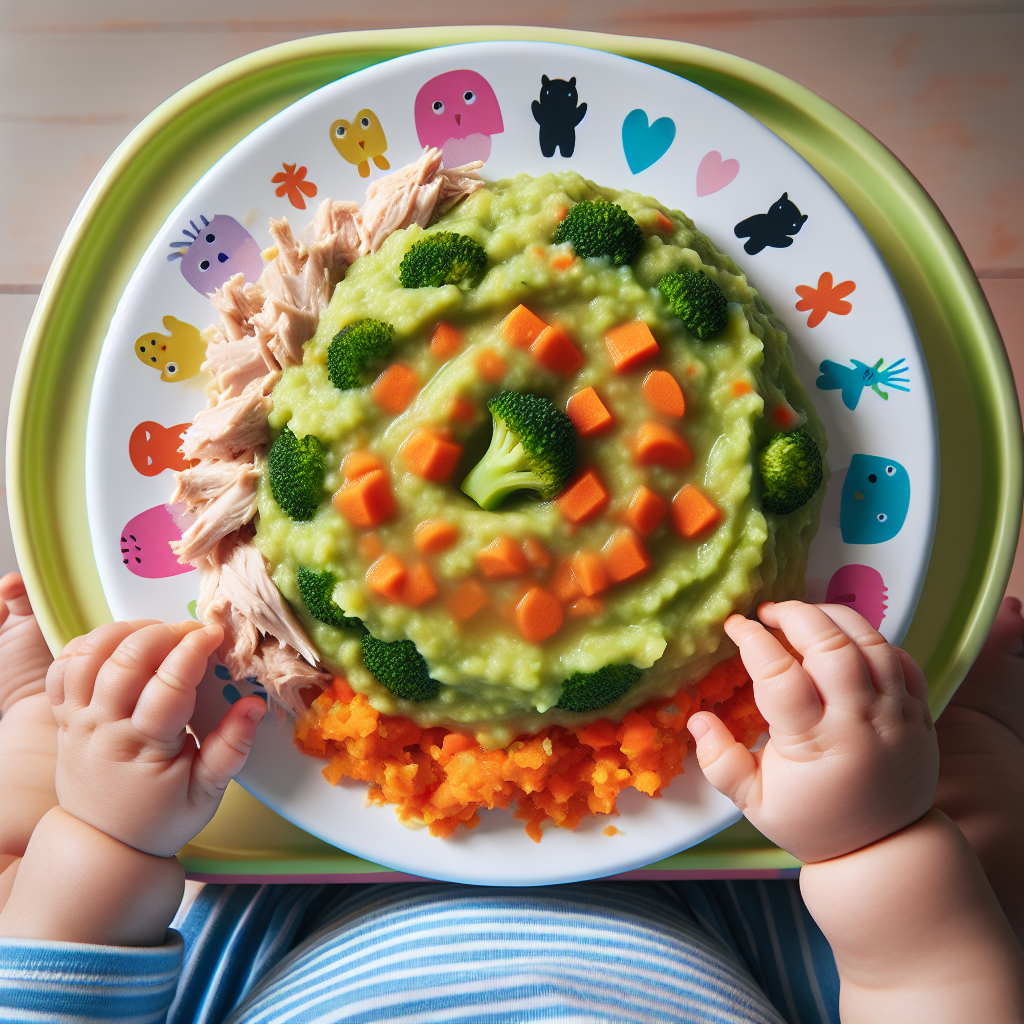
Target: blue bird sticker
[(875, 499), (852, 380)]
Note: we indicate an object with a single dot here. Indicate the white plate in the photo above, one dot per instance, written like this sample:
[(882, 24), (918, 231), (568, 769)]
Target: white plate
[(644, 130)]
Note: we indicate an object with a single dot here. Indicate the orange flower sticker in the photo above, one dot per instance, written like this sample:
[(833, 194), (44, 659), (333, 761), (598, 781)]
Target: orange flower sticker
[(826, 298), (294, 184)]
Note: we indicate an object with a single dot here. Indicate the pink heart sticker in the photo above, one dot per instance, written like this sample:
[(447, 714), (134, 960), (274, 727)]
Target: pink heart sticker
[(714, 173)]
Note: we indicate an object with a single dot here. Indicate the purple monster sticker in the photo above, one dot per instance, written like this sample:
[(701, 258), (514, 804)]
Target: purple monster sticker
[(861, 588), (146, 540), (215, 252)]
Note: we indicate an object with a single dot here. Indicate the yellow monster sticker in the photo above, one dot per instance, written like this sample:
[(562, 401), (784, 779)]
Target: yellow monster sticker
[(177, 355), (361, 141)]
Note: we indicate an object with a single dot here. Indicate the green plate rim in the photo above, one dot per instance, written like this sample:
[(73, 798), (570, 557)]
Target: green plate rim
[(45, 468)]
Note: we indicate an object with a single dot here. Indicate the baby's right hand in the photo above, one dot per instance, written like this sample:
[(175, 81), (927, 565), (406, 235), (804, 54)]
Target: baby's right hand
[(125, 764), (852, 755)]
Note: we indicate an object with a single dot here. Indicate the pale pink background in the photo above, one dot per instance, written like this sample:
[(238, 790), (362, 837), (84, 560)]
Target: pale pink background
[(940, 82)]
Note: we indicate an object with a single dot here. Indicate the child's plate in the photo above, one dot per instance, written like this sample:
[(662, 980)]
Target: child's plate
[(523, 108)]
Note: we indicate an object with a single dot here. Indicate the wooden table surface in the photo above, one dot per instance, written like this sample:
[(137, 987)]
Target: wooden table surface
[(940, 82)]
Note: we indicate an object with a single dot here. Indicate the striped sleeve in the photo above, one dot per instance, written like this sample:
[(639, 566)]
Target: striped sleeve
[(58, 982)]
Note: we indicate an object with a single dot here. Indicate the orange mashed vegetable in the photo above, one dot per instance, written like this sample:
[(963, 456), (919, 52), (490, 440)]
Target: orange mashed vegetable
[(443, 778)]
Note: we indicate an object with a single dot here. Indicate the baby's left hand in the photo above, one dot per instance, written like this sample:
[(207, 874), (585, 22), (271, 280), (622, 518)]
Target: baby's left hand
[(122, 696)]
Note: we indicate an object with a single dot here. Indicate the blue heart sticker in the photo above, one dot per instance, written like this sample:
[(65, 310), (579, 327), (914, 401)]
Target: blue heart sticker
[(646, 144)]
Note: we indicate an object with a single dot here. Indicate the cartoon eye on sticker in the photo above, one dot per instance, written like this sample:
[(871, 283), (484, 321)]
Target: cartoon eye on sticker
[(882, 517), (204, 265), (340, 131), (438, 107), (469, 97), (170, 369), (211, 238), (890, 470), (364, 122)]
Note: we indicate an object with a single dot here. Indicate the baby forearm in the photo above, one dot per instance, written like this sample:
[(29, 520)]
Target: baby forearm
[(77, 884), (916, 930)]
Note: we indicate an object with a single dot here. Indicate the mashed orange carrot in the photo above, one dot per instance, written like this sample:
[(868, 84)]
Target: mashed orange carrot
[(443, 778)]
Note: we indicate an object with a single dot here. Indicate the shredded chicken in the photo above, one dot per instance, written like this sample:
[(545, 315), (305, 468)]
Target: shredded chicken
[(263, 328)]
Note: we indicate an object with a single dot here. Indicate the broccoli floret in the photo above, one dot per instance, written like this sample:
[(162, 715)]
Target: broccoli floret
[(297, 466), (533, 447), (600, 228), (356, 350), (697, 301), (442, 258), (790, 471), (399, 667), (316, 588), (588, 691)]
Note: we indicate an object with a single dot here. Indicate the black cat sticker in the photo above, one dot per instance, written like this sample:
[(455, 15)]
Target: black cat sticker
[(772, 228), (558, 115)]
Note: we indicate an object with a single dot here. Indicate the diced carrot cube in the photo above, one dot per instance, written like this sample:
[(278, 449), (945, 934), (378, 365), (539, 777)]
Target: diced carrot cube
[(387, 577), (395, 388), (663, 225), (538, 615), (466, 600), (445, 341), (455, 743), (588, 568), (635, 734), (625, 556), (370, 547), (554, 351), (658, 445), (693, 513), (583, 498), (663, 393), (646, 511), (562, 260), (561, 213), (536, 554), (359, 462), (588, 413), (585, 606), (564, 583), (419, 586), (490, 365), (503, 558), (367, 500), (435, 535), (462, 410), (741, 388), (785, 417), (630, 344), (429, 456), (598, 734), (521, 327)]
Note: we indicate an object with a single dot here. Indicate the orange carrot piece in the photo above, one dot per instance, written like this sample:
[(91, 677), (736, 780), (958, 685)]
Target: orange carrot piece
[(539, 615), (588, 568), (521, 327), (455, 743), (785, 417), (445, 341), (367, 500), (395, 388), (663, 225), (663, 393), (429, 456), (466, 600), (370, 547), (585, 606), (418, 587), (564, 583), (359, 462), (583, 498), (693, 513), (646, 511), (490, 365), (340, 690), (741, 388), (625, 556), (658, 445), (554, 351), (536, 554), (502, 559), (598, 734), (562, 212), (588, 413), (630, 344), (435, 535), (635, 734), (387, 577), (462, 410), (562, 261)]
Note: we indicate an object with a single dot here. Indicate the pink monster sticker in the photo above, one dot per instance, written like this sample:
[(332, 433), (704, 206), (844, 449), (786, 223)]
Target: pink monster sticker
[(215, 252), (458, 113), (145, 543), (861, 588)]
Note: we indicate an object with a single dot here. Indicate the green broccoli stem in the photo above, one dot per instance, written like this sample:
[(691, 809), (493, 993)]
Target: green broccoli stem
[(501, 471)]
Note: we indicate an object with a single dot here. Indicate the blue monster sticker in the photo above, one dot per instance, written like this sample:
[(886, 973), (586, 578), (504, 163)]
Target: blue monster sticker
[(853, 380), (215, 252), (875, 499)]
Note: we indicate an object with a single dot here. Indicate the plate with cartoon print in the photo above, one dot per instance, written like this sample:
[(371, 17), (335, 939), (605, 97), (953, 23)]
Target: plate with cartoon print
[(523, 108)]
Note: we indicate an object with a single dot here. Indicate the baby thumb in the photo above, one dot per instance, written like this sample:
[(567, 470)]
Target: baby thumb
[(726, 764)]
